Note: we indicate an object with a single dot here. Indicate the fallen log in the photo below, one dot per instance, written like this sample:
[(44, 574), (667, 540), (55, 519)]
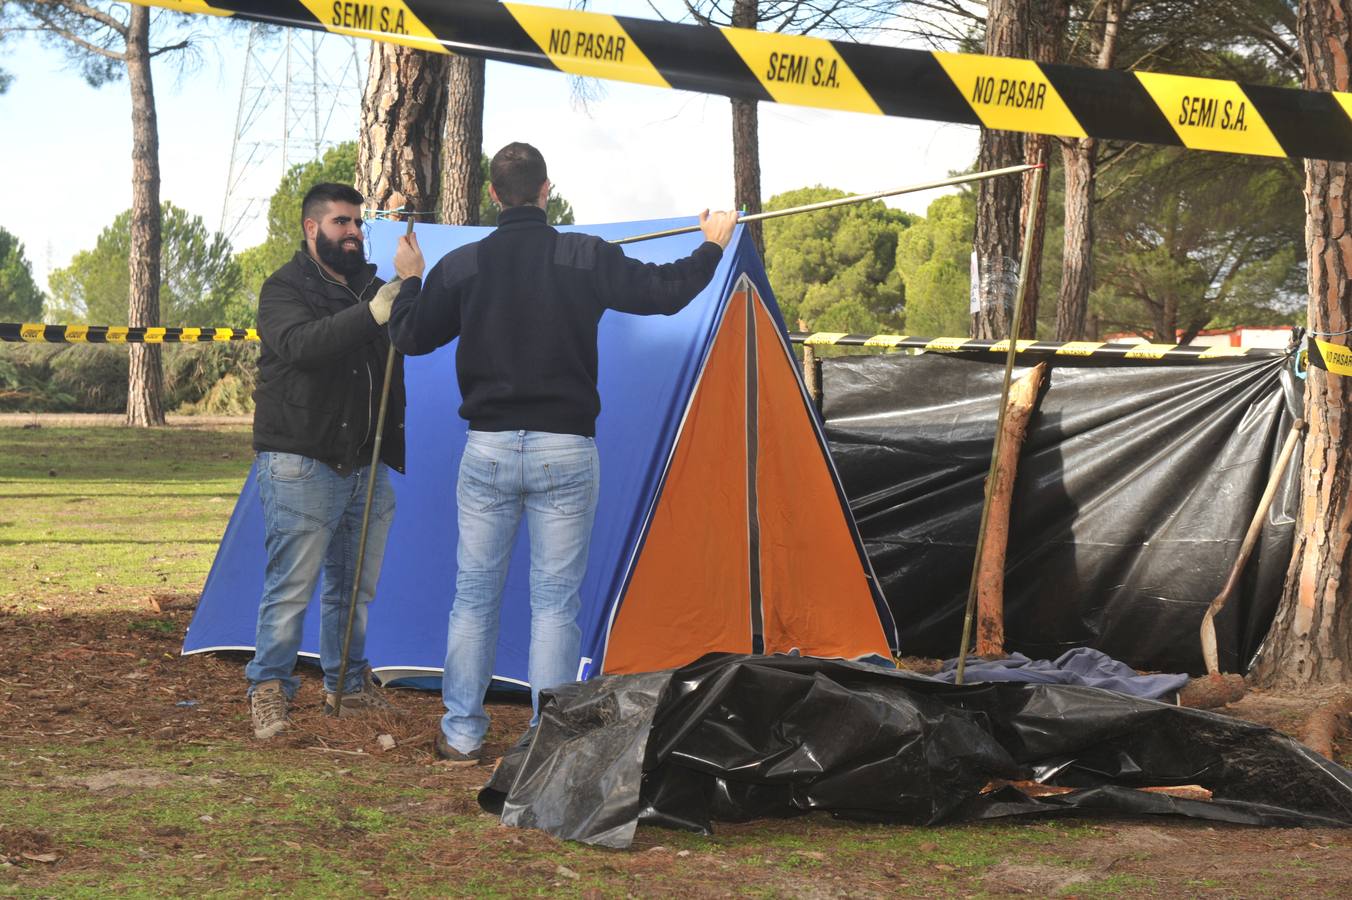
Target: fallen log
[(1037, 789), (1212, 691), (1325, 724)]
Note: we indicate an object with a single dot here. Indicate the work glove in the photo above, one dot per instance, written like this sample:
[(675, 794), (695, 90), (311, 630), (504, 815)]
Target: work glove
[(383, 301)]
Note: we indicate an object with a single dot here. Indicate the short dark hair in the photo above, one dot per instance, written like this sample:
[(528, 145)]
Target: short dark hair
[(517, 171), (324, 193)]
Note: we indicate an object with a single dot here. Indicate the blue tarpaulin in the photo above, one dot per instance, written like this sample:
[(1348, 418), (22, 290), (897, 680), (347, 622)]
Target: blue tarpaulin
[(1083, 665)]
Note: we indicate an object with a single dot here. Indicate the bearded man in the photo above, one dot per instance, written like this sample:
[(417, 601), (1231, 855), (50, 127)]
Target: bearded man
[(321, 320)]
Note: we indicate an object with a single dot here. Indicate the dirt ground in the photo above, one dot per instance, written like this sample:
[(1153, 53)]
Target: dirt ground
[(126, 768), (88, 680)]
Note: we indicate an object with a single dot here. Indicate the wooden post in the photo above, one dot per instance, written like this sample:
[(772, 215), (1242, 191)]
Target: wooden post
[(990, 597), (811, 372)]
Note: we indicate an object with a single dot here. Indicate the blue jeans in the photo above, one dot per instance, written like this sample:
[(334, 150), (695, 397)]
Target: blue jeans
[(554, 479), (312, 520)]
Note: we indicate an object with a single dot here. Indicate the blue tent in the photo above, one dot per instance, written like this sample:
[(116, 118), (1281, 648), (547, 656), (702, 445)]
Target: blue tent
[(649, 371)]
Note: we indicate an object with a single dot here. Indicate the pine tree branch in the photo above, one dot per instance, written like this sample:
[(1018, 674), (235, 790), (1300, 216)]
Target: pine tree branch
[(170, 48), (50, 27), (82, 9)]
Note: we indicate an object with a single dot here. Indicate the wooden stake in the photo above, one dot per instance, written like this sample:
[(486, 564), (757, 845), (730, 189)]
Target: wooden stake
[(990, 597), (970, 612)]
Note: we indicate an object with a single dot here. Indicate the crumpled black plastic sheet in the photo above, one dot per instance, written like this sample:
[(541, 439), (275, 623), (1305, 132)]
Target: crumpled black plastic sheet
[(1134, 490), (734, 738)]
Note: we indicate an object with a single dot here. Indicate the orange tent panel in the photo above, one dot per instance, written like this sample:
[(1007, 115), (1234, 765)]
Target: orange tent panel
[(690, 591), (816, 596)]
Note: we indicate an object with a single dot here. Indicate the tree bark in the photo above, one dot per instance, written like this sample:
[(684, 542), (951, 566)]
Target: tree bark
[(403, 118), (999, 199), (461, 174), (746, 165), (1311, 637), (1046, 33), (746, 183), (1079, 158), (145, 374)]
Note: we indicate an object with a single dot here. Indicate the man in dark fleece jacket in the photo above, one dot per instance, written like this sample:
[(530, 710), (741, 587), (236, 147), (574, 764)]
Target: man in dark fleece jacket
[(525, 302), (321, 319)]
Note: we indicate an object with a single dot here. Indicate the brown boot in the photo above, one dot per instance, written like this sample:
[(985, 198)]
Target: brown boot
[(367, 700), (448, 754), (268, 705)]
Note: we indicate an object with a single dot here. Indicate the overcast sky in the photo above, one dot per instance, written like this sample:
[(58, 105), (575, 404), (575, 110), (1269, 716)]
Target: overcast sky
[(634, 153)]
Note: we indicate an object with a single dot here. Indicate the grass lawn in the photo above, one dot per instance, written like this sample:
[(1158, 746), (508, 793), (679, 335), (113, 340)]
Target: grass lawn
[(128, 769), (93, 514)]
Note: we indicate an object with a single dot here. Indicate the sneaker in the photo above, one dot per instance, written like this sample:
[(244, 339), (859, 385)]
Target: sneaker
[(454, 757), (267, 706), (369, 699)]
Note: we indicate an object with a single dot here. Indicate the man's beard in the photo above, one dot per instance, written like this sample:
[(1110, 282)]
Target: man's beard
[(344, 262)]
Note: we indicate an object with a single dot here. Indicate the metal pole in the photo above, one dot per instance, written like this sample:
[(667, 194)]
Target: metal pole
[(1029, 223), (841, 201), (366, 515)]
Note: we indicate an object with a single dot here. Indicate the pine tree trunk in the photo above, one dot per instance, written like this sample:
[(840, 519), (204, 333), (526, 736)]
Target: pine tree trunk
[(1079, 158), (1037, 151), (403, 118), (1046, 33), (999, 200), (1311, 637), (746, 139), (461, 175), (145, 376), (746, 164)]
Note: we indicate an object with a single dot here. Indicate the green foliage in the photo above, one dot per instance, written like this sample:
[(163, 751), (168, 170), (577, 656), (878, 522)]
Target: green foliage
[(207, 379), (836, 268), (558, 211), (20, 298), (26, 382), (211, 379), (934, 261), (62, 378), (200, 282), (338, 165), (1189, 241)]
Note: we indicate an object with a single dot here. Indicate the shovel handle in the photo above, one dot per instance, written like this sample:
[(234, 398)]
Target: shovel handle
[(1250, 539)]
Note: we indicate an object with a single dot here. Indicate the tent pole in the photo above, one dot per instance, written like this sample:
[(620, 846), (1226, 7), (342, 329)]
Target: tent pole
[(366, 514), (1030, 222), (840, 201)]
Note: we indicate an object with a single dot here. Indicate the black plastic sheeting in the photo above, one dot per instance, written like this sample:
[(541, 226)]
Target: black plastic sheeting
[(733, 738), (1134, 490)]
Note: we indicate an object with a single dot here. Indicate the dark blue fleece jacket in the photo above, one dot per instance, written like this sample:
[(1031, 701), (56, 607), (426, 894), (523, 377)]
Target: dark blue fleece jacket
[(525, 302)]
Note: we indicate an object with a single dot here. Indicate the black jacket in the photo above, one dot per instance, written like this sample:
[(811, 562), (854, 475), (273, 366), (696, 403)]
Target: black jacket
[(525, 302), (322, 367)]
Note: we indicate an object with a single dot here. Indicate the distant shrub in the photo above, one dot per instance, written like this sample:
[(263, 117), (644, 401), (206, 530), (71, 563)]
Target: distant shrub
[(206, 379), (210, 379)]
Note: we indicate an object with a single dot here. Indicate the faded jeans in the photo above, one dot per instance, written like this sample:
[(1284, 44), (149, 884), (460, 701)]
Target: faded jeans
[(554, 480), (312, 521)]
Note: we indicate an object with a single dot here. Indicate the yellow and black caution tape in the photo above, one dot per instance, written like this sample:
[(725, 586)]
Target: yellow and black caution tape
[(37, 333), (999, 93), (1330, 357), (1100, 349)]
